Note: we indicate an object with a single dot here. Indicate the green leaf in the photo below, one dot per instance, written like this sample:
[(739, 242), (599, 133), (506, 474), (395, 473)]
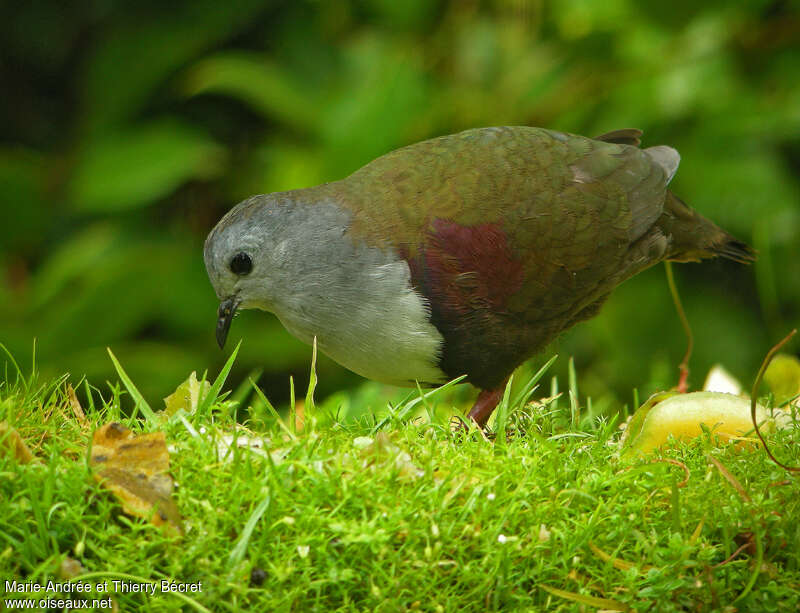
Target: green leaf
[(257, 82), (134, 168), (79, 256), (24, 204), (186, 396), (379, 102), (134, 56)]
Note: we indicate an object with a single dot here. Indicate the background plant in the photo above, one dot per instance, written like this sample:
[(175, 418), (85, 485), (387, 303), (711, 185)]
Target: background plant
[(130, 128)]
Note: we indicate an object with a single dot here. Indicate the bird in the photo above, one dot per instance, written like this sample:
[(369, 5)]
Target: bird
[(464, 254)]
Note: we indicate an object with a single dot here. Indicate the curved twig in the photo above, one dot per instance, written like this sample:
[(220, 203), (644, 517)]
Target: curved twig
[(759, 377), (683, 367)]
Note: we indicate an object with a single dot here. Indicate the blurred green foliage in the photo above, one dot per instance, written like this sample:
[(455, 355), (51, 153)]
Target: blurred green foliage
[(130, 128)]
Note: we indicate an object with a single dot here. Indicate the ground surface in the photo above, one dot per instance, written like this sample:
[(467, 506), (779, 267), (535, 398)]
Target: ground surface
[(403, 514)]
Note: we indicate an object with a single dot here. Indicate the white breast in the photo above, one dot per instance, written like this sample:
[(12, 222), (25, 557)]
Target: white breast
[(378, 326), (356, 299), (365, 314)]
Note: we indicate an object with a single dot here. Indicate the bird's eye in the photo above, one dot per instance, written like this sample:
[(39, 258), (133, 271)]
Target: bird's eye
[(241, 264)]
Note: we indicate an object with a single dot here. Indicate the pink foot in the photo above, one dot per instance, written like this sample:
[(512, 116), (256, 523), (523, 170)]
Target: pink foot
[(683, 381), (485, 404)]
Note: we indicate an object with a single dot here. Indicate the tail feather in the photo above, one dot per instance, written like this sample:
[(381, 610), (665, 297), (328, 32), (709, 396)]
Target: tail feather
[(735, 250), (693, 237)]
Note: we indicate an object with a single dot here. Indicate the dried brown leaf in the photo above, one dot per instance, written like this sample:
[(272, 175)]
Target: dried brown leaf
[(730, 478), (592, 601), (135, 469), (77, 409), (11, 442)]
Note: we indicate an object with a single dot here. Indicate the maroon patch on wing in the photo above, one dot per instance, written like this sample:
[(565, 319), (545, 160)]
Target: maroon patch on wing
[(468, 274), (468, 268)]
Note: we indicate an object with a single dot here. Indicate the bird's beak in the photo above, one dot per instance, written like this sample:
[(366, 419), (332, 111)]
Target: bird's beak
[(227, 309)]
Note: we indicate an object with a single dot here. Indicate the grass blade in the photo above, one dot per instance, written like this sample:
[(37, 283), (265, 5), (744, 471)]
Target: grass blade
[(292, 406), (574, 408), (502, 415), (309, 409), (523, 396), (20, 376), (241, 393), (238, 551), (273, 411), (140, 404), (210, 398), (409, 407)]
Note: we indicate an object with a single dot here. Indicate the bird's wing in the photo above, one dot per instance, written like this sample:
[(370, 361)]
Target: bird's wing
[(598, 228), (626, 136), (511, 234), (520, 219)]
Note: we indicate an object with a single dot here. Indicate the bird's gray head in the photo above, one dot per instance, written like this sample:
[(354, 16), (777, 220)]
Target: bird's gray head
[(239, 254), (265, 249)]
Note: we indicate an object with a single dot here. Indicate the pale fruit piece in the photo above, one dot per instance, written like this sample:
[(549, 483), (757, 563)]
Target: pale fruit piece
[(684, 415), (783, 377), (720, 380)]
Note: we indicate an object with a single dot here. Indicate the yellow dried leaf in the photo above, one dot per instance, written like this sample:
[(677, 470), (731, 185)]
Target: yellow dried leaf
[(11, 442), (187, 395), (70, 568), (592, 601), (617, 563), (75, 404), (135, 469)]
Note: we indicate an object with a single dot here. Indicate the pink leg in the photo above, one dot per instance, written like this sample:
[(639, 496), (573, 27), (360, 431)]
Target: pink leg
[(485, 405), (683, 382)]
